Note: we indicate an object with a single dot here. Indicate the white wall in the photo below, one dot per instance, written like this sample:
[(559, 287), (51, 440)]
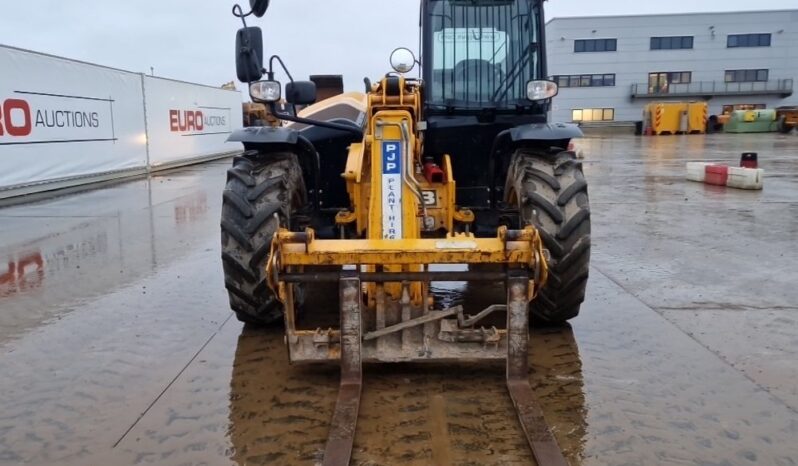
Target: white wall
[(64, 122), (186, 120), (63, 119), (634, 60)]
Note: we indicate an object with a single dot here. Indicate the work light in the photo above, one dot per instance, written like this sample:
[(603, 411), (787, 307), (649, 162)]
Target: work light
[(541, 90), (265, 91)]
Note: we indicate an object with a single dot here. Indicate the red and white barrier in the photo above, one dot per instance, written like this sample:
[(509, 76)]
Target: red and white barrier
[(724, 175)]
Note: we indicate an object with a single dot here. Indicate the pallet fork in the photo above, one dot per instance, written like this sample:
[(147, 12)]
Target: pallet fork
[(377, 328)]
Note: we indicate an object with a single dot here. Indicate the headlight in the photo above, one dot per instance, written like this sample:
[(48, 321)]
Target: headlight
[(265, 91), (541, 90)]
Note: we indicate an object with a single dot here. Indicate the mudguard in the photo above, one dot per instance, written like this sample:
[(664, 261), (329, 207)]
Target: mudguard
[(265, 135), (545, 132), (265, 139)]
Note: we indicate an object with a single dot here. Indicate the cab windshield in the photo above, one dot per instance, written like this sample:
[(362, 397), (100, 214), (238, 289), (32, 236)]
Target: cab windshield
[(481, 53)]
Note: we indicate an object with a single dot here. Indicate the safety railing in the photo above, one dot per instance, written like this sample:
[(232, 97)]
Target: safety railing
[(781, 87)]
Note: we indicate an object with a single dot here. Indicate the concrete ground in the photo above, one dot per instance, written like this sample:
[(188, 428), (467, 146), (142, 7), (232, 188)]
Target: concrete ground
[(117, 345)]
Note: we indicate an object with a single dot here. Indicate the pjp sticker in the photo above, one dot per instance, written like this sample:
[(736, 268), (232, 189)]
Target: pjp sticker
[(392, 190)]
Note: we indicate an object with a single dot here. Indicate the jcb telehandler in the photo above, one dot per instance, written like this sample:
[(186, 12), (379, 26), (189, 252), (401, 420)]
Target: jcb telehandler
[(375, 190)]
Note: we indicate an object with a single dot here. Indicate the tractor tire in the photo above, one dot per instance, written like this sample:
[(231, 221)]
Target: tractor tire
[(261, 194), (551, 194)]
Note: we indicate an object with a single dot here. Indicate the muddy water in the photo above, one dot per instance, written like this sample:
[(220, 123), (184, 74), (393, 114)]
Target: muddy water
[(273, 413), (116, 345)]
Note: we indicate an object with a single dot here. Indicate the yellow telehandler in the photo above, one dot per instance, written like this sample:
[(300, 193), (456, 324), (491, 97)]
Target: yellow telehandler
[(386, 191)]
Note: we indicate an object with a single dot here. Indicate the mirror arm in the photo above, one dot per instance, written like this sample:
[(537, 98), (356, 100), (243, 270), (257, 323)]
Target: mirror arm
[(282, 65), (298, 119), (285, 69), (239, 13)]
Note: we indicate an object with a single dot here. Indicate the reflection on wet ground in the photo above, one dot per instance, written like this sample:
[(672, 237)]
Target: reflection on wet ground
[(117, 347)]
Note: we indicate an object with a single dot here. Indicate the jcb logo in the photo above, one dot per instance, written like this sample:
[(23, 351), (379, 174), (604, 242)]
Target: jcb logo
[(15, 118)]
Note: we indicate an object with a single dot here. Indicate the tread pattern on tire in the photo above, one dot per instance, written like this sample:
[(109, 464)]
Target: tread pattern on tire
[(551, 192), (261, 194)]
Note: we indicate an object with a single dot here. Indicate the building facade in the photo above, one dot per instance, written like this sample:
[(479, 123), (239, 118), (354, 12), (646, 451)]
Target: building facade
[(610, 67)]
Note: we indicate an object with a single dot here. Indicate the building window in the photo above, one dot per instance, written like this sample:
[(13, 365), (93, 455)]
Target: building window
[(746, 76), (728, 109), (585, 80), (748, 40), (593, 114), (660, 82), (671, 43), (595, 45)]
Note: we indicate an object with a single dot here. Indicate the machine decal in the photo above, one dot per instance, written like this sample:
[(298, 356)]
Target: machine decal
[(430, 197), (392, 190)]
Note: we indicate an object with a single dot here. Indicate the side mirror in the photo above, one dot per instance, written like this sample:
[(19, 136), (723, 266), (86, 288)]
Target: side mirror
[(300, 92), (249, 54), (403, 60), (259, 7)]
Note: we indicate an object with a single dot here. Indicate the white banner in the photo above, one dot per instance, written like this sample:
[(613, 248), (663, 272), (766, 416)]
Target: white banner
[(187, 121), (62, 119)]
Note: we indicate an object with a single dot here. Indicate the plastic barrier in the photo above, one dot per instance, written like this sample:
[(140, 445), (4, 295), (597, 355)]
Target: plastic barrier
[(745, 178), (716, 174), (696, 171), (723, 175)]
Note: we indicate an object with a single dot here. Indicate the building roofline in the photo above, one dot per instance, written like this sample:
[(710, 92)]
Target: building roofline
[(691, 13)]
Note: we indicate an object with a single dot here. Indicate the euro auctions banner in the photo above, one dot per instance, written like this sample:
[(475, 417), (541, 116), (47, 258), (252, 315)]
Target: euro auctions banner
[(63, 119), (186, 121)]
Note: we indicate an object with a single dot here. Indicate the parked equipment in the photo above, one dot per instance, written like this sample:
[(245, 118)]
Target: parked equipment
[(751, 121), (787, 119), (676, 118), (367, 190), (256, 115)]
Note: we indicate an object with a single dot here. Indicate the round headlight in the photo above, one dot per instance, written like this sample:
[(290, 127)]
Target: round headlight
[(265, 91), (541, 90)]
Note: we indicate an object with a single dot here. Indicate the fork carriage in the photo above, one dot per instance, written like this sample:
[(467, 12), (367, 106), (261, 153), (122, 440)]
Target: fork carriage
[(387, 315), (397, 321)]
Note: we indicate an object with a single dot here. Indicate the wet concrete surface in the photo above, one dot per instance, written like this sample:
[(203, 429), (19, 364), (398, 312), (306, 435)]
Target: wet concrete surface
[(117, 345)]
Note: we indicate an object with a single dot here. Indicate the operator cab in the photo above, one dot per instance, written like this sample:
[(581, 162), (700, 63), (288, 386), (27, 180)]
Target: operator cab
[(483, 66), (482, 55)]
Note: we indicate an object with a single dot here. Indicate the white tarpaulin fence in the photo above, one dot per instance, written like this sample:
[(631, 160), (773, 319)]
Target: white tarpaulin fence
[(64, 122), (186, 121)]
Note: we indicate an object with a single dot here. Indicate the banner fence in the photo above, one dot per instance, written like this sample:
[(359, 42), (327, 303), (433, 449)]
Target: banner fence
[(65, 122)]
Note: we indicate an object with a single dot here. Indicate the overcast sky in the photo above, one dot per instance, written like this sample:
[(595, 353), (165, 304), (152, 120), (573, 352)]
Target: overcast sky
[(192, 40)]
